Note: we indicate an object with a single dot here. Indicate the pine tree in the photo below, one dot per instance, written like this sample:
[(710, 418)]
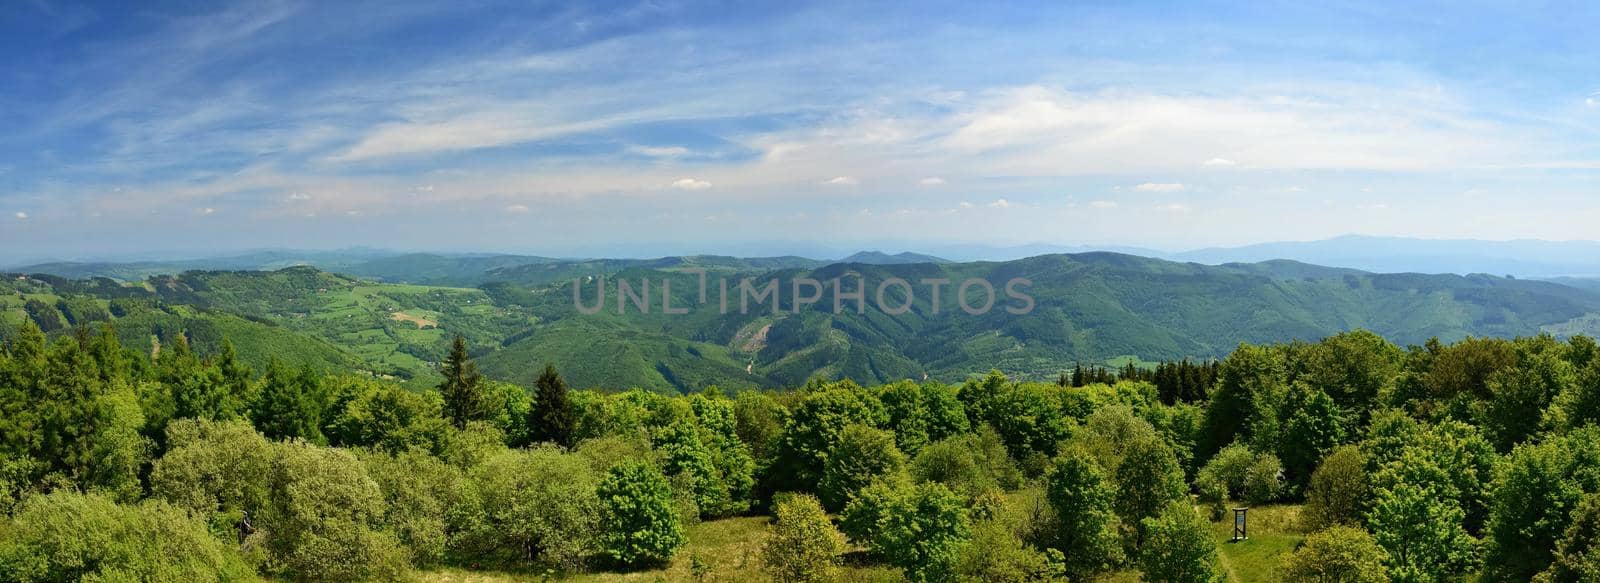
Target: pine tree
[(288, 405), (551, 418), (462, 389)]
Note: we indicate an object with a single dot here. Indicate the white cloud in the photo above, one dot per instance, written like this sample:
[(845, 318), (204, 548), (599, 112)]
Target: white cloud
[(1000, 203), (690, 184), (1219, 162), (965, 204), (1159, 187), (1294, 189), (22, 215), (840, 181), (207, 211), (1593, 100), (299, 196), (1377, 206), (1103, 204), (931, 181), (1172, 208), (516, 208), (659, 151)]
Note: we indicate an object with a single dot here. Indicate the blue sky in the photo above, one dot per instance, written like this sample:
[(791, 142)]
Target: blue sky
[(196, 128)]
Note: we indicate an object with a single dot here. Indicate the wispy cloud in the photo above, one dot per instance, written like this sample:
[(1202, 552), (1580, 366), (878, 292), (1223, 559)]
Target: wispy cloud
[(1159, 187)]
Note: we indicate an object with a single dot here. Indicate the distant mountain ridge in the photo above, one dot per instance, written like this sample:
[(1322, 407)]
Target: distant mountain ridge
[(1521, 258), (1094, 307)]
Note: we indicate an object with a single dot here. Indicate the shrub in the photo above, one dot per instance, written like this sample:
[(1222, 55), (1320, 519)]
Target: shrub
[(322, 522), (66, 536), (1339, 553), (1178, 547), (920, 529), (637, 522), (533, 505), (424, 499), (1338, 490), (1264, 481), (804, 545), (997, 555)]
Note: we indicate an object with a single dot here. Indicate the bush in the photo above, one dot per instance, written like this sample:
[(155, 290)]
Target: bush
[(1264, 481), (1178, 547), (637, 522), (804, 545), (533, 505), (997, 555), (323, 519), (862, 456), (424, 500), (920, 529), (65, 536), (1340, 553), (1338, 490)]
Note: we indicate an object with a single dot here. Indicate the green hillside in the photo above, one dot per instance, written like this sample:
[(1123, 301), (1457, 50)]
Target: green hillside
[(1089, 308)]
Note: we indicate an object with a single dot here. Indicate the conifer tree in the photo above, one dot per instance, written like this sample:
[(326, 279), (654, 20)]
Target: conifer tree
[(551, 418), (462, 388)]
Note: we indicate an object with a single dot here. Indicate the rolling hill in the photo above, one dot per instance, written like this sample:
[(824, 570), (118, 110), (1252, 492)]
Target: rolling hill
[(1089, 307)]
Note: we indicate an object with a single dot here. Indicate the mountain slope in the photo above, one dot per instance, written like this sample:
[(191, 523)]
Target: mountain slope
[(1089, 307)]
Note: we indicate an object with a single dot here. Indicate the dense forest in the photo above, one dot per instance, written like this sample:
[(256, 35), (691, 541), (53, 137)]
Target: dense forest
[(1103, 309), (1359, 460)]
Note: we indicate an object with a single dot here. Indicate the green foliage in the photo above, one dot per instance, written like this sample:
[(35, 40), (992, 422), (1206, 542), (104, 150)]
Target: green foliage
[(922, 413), (637, 523), (1415, 516), (921, 529), (324, 517), (537, 505), (861, 455), (384, 416), (1534, 495), (66, 536), (1178, 547), (1577, 557), (464, 397), (804, 546), (216, 469), (996, 554), (425, 502), (1147, 480), (1338, 493), (814, 425), (290, 404), (552, 418), (1085, 524), (1264, 481), (1313, 426), (1339, 554), (1248, 397), (1518, 392)]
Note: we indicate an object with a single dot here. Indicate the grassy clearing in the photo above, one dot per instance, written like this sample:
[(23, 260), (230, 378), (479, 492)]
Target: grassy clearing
[(1274, 532)]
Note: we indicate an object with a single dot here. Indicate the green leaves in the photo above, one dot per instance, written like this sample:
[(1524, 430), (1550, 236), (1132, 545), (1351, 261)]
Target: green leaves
[(638, 525)]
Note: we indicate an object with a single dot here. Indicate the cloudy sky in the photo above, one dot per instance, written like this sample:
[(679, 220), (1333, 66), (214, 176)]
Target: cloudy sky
[(683, 127)]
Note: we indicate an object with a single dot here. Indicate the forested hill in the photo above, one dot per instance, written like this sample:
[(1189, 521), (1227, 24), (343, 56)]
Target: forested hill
[(1091, 308)]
